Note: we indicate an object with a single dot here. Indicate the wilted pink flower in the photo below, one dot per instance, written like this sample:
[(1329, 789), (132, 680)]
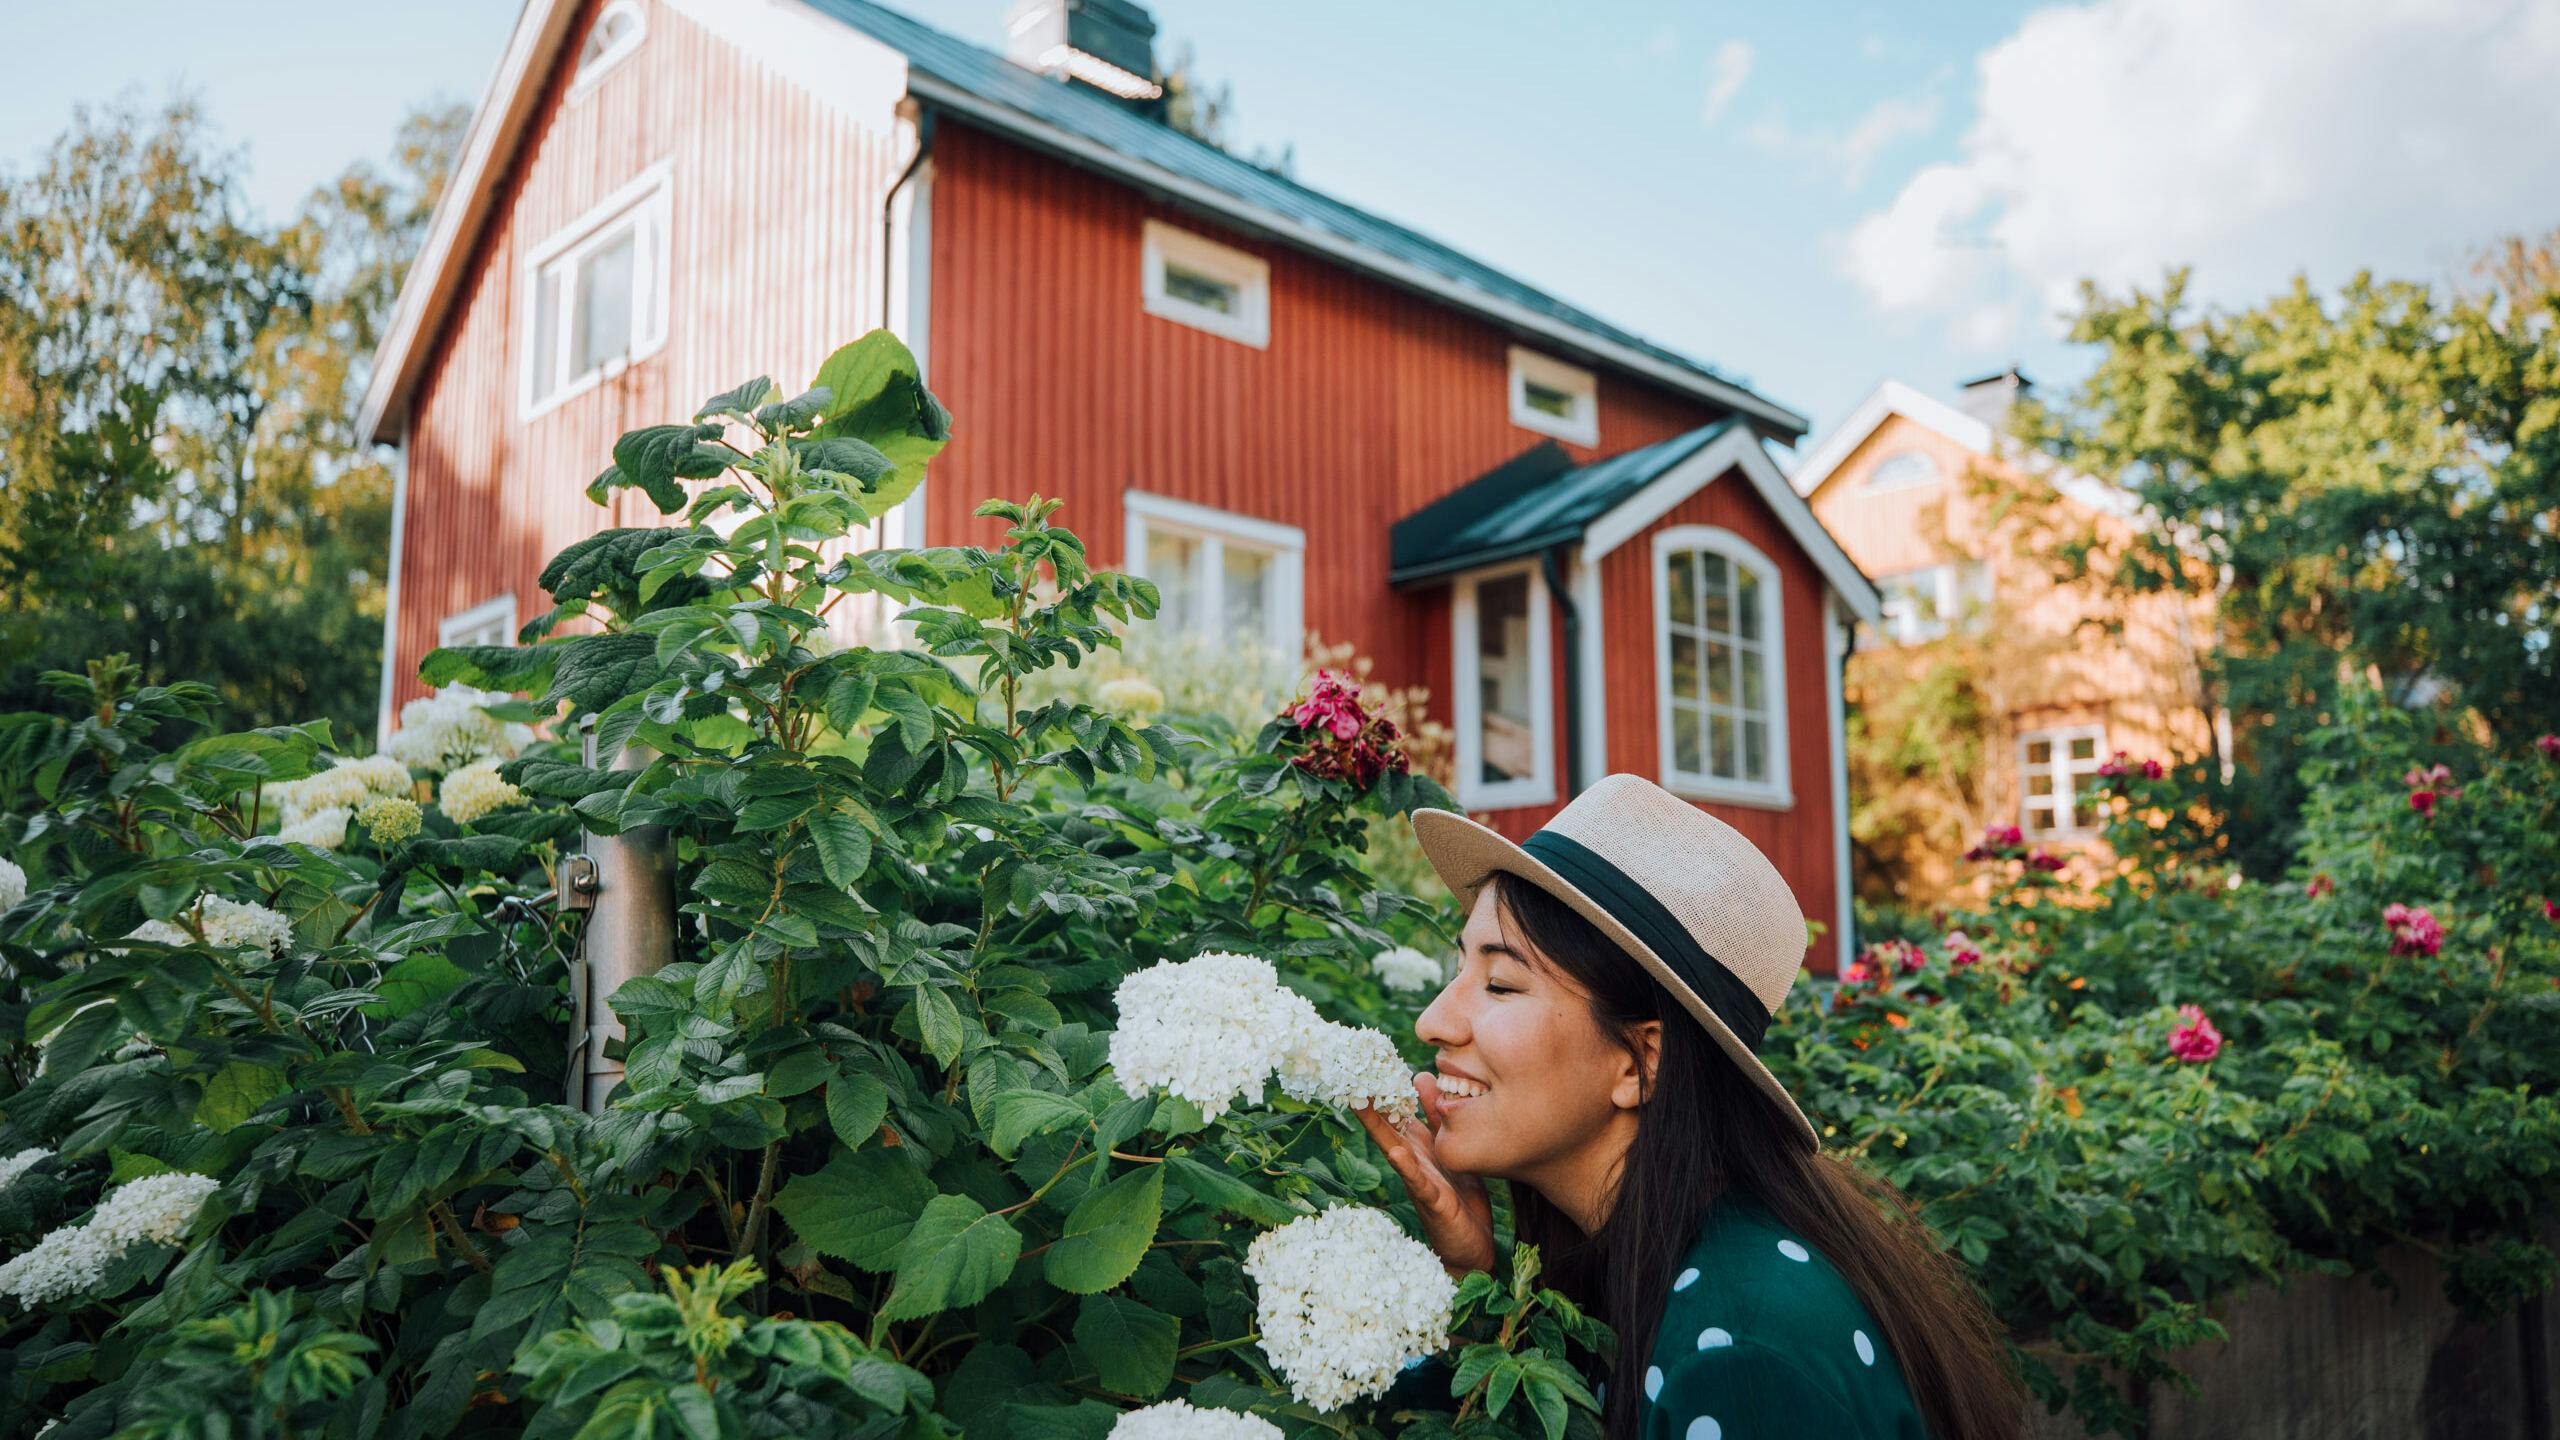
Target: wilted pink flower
[(2414, 931), (1961, 951), (2196, 1039), (2320, 885), (2044, 860), (1344, 741)]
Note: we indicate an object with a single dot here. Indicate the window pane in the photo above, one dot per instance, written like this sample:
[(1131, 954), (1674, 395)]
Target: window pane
[(2040, 783), (601, 328), (2039, 752), (1746, 603), (1682, 568), (1558, 403), (1719, 673), (1193, 288), (1750, 661), (1172, 562), (2084, 747), (1508, 744), (1684, 740), (2039, 817), (1720, 743), (1684, 667), (546, 335), (1711, 571), (1755, 749), (1247, 592), (2084, 816)]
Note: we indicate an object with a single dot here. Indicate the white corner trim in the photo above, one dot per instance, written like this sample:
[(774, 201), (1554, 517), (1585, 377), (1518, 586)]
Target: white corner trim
[(1835, 656), (1738, 449), (910, 318), (1778, 791), (1539, 787), (1252, 529), (1161, 245), (391, 588), (1594, 663), (1529, 367)]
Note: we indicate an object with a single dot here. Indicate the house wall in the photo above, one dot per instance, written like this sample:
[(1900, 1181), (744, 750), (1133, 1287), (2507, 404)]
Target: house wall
[(774, 244)]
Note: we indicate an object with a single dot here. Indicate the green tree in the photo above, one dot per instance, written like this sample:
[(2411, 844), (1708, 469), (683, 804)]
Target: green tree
[(231, 524), (2365, 483)]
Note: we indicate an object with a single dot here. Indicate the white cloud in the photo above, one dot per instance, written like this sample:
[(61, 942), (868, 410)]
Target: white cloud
[(1730, 67), (2251, 138), (1850, 153)]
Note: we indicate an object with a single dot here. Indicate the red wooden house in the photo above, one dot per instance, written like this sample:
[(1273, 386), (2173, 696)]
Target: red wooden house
[(1292, 414)]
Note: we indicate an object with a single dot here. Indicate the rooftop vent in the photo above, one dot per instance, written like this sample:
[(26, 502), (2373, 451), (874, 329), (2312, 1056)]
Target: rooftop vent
[(1989, 398), (1107, 44)]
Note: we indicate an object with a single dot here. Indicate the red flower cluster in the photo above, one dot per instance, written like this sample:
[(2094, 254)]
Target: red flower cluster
[(1343, 740), (2551, 911), (2118, 766), (2428, 786), (2320, 885), (2195, 1039), (1961, 951), (2044, 860), (2550, 747), (1997, 842), (2413, 930)]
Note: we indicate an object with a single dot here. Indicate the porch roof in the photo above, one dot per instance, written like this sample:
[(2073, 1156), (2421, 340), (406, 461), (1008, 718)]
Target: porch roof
[(1534, 501)]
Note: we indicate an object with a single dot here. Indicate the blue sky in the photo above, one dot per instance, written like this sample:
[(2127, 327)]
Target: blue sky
[(1813, 197)]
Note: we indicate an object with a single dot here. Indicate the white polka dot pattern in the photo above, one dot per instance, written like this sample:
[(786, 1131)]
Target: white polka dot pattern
[(1652, 1381), (1713, 1336), (1794, 1251), (1866, 1349), (1705, 1428), (1687, 1278)]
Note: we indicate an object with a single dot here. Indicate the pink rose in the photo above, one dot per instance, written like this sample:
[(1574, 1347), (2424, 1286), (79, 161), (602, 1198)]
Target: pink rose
[(2195, 1040), (2153, 770), (2414, 931), (2423, 801), (2550, 747)]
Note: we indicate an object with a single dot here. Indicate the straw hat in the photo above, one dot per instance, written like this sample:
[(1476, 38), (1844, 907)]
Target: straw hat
[(1683, 892)]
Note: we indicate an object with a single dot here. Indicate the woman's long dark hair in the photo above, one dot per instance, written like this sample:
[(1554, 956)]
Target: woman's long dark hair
[(1706, 1131)]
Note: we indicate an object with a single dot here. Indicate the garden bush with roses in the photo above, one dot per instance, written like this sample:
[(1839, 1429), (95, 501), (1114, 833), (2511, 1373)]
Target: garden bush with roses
[(997, 1087)]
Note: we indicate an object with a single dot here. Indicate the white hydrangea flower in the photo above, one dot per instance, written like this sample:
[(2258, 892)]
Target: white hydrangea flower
[(343, 786), (1133, 696), (390, 819), (13, 884), (1344, 1300), (475, 790), (1181, 1420), (447, 730), (1405, 968), (155, 1207), (65, 1262), (229, 924), (160, 932), (1209, 1029), (1347, 1067), (322, 829), (20, 1163)]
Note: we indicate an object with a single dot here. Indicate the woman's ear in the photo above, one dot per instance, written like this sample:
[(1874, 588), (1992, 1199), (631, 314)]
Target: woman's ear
[(1635, 1078)]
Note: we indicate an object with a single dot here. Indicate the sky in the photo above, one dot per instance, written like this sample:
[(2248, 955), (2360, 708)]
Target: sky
[(1812, 198)]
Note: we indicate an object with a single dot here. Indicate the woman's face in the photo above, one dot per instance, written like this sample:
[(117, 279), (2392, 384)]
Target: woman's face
[(1533, 1088)]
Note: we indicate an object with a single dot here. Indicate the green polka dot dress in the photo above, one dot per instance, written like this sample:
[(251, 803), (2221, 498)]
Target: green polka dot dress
[(1761, 1337)]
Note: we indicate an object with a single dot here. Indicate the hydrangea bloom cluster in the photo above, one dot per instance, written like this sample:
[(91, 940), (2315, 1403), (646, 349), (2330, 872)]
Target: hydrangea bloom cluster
[(1343, 1299), (13, 885), (303, 807), (1131, 695), (227, 925), (75, 1257), (1342, 740), (2194, 1038), (475, 790), (389, 819), (2414, 930), (19, 1164), (324, 829), (1405, 968), (448, 730), (1181, 1420), (1214, 1029), (1998, 843)]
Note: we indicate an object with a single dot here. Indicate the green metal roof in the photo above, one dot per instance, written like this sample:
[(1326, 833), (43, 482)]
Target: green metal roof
[(1095, 118), (1531, 502)]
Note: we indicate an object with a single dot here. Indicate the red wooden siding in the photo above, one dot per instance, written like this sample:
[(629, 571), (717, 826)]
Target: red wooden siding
[(1368, 403), (773, 249)]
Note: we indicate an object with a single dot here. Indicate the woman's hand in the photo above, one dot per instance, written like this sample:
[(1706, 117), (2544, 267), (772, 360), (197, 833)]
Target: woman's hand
[(1457, 1214)]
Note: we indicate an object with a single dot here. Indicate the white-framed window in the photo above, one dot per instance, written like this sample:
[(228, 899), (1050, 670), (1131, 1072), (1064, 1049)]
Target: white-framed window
[(1926, 603), (1208, 286), (2057, 779), (1554, 398), (491, 622), (1904, 470), (595, 297), (1720, 647), (1220, 574), (611, 40), (1506, 707)]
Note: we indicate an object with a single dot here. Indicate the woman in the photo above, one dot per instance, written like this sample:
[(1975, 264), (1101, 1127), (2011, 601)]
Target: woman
[(1596, 1050)]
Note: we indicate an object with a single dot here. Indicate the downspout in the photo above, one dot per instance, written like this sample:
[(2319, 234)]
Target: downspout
[(1552, 563), (889, 204)]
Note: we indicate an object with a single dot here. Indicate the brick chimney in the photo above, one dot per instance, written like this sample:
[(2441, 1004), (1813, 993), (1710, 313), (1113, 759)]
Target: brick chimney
[(1989, 398), (1107, 44)]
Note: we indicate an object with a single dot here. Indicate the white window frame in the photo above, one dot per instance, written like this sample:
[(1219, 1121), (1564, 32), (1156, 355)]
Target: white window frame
[(1284, 623), (498, 612), (1778, 791), (1937, 473), (620, 50), (646, 203), (1539, 786), (2068, 777), (1164, 244), (1582, 427)]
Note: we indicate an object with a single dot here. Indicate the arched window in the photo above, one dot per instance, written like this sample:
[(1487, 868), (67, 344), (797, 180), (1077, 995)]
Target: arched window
[(1720, 650), (1904, 470), (617, 32)]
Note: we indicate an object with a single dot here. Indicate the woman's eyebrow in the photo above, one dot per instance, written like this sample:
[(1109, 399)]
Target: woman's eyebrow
[(1503, 949)]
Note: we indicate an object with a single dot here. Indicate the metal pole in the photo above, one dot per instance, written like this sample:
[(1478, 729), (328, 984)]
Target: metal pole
[(629, 880)]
